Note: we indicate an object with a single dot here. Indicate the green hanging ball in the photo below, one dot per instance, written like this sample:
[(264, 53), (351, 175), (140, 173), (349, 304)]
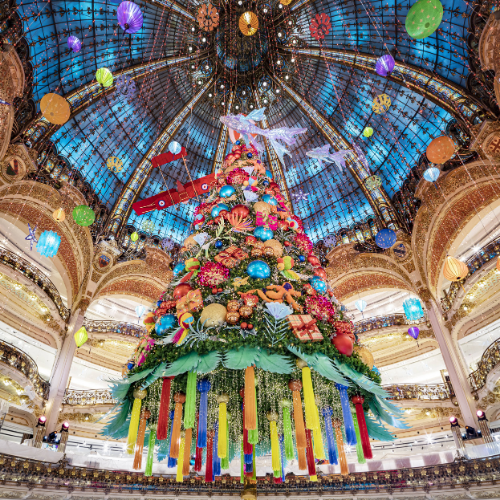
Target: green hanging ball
[(424, 18), (83, 215), (368, 132), (134, 236), (104, 77)]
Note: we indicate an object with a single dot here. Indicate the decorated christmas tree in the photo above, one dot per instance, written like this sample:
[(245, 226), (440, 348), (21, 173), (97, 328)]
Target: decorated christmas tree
[(248, 353)]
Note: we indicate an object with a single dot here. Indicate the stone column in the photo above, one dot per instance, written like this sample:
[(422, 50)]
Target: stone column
[(454, 365), (60, 371)]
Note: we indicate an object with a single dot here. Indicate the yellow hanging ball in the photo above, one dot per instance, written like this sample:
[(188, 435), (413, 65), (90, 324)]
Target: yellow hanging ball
[(213, 314), (368, 132), (59, 215), (81, 337), (55, 109), (134, 236)]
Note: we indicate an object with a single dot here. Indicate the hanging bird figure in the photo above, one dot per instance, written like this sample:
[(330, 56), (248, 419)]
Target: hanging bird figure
[(285, 265)]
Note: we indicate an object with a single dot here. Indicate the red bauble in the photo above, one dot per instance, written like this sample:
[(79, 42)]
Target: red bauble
[(240, 210), (223, 213), (321, 273), (312, 259), (343, 344), (286, 243), (181, 290)]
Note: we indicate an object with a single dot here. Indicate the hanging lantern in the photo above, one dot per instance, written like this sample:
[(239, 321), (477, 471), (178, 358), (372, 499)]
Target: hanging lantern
[(134, 236), (55, 109), (174, 147), (424, 18), (432, 174), (440, 150), (381, 104), (385, 65), (385, 238), (59, 215), (104, 77), (139, 310), (413, 309), (81, 337), (248, 23), (48, 244), (74, 43), (129, 17), (413, 332), (320, 26), (83, 215), (454, 269), (368, 131), (360, 305)]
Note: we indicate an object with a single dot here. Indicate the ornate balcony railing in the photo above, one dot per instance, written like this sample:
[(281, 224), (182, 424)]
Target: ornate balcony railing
[(62, 476), (489, 360), (91, 397), (95, 326), (367, 325), (34, 274), (474, 263), (422, 392), (25, 364)]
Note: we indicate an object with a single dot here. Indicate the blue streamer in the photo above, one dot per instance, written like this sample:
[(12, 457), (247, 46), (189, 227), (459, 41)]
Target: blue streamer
[(332, 449), (172, 462), (203, 387), (216, 467), (350, 432), (282, 453), (249, 459)]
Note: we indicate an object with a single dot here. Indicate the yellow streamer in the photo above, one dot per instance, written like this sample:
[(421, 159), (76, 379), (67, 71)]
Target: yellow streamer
[(222, 444), (134, 426), (312, 421), (319, 449), (180, 462), (275, 447), (250, 402)]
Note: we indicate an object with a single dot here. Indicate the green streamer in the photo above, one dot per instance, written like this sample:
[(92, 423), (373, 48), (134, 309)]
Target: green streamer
[(151, 452), (190, 404), (253, 435), (242, 459), (287, 431), (254, 473), (224, 462), (359, 446)]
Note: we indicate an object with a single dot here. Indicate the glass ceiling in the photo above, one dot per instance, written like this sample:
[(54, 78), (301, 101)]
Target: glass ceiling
[(115, 126)]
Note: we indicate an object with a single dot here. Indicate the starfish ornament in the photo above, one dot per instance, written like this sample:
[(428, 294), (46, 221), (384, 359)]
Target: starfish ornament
[(300, 195), (31, 236)]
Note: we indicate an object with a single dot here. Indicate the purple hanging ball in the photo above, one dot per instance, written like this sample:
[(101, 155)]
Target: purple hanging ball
[(413, 332), (74, 43), (129, 17), (385, 65)]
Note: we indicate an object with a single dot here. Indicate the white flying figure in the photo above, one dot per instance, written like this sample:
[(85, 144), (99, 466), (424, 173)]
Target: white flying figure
[(322, 154)]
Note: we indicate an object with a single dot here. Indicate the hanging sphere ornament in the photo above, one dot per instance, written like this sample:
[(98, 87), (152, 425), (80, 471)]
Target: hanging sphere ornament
[(59, 215), (413, 332), (181, 290), (373, 182), (271, 200), (134, 236), (83, 215), (424, 18), (213, 315), (385, 65), (226, 191), (218, 209), (48, 244), (129, 17), (240, 210), (385, 238), (432, 174), (165, 323), (360, 305), (318, 284), (440, 150), (218, 244), (74, 43), (248, 23), (81, 337), (55, 109), (104, 77), (454, 269), (174, 147), (179, 268), (258, 269), (368, 132), (263, 233)]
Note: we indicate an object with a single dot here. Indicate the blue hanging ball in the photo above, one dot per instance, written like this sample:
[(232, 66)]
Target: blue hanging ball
[(268, 198), (258, 269), (249, 155), (165, 323), (179, 268), (218, 244), (130, 365), (226, 191), (269, 174), (302, 258), (158, 304), (218, 209), (385, 238), (238, 143), (265, 183), (318, 284), (263, 233)]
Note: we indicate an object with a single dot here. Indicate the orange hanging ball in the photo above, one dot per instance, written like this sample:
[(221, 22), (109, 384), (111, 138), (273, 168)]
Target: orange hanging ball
[(440, 150), (55, 109)]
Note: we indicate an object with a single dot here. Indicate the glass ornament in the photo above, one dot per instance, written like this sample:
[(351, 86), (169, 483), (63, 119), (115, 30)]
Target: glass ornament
[(248, 23), (258, 269), (104, 77), (48, 244), (59, 215), (74, 43), (385, 65), (385, 238), (413, 309), (134, 236), (413, 332), (440, 150), (174, 147), (139, 310), (360, 305), (454, 269), (129, 17), (432, 174), (55, 109)]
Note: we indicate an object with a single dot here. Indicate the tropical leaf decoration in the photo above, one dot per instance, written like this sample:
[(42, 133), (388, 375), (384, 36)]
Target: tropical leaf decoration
[(119, 419), (359, 379), (119, 388), (384, 415), (274, 363), (239, 359), (378, 431), (209, 362)]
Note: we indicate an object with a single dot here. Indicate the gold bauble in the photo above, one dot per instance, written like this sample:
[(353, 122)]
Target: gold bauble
[(59, 215), (365, 355), (256, 252), (248, 23), (189, 242), (276, 246), (55, 109), (246, 311), (233, 306), (232, 317), (140, 393), (213, 314), (263, 207), (268, 252)]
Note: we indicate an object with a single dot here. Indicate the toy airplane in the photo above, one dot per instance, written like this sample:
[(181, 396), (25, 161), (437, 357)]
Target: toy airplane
[(184, 192), (165, 158)]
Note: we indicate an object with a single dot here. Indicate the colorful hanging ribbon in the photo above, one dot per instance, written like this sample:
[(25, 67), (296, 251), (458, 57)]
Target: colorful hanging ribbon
[(350, 432), (203, 387)]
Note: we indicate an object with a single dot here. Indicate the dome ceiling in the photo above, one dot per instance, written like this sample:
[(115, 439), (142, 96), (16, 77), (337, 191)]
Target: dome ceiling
[(245, 69)]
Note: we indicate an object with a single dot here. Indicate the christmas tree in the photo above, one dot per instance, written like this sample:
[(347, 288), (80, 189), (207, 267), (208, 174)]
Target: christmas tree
[(248, 351)]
